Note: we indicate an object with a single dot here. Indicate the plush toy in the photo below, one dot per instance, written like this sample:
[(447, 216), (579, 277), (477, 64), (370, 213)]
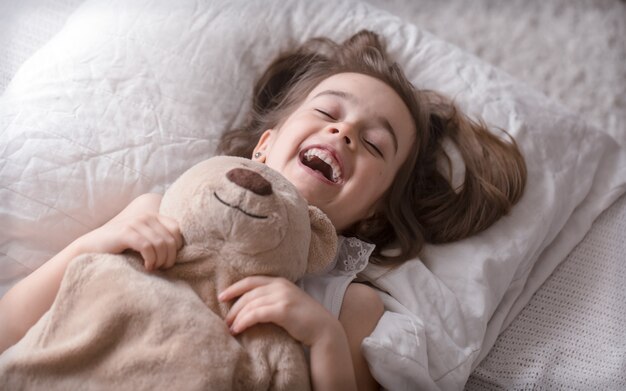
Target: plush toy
[(115, 325)]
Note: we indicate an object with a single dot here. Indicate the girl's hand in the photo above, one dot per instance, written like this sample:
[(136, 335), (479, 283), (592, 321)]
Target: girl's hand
[(279, 301), (138, 227)]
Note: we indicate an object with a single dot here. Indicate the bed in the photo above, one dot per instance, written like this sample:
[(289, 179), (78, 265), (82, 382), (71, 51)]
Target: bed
[(537, 303)]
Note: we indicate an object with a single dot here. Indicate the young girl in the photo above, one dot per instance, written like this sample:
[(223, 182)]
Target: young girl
[(343, 124)]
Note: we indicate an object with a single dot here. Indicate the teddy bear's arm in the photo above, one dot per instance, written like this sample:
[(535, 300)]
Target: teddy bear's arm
[(291, 371), (278, 361)]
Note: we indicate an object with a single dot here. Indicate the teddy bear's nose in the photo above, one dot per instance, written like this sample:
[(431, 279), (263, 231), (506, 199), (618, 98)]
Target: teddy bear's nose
[(250, 180)]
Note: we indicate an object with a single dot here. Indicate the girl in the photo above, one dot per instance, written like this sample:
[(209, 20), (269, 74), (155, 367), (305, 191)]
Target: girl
[(342, 123)]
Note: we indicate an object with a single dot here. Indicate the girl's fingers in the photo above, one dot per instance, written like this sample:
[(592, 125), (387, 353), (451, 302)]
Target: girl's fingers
[(175, 239), (242, 286), (174, 229), (153, 242), (257, 296), (253, 314), (159, 244), (279, 301), (261, 300), (137, 242), (164, 243)]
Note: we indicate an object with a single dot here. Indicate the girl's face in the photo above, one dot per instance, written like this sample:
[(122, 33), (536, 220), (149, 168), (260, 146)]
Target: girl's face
[(343, 146)]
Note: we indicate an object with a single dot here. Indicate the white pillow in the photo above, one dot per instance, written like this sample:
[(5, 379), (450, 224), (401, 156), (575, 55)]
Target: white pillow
[(130, 94)]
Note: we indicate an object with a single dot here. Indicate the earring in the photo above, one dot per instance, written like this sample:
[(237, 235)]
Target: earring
[(257, 155)]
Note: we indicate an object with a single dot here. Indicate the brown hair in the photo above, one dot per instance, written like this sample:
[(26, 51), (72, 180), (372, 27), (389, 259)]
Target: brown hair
[(421, 205)]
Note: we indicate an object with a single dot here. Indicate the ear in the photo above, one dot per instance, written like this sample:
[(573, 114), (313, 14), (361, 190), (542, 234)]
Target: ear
[(263, 145), (323, 245)]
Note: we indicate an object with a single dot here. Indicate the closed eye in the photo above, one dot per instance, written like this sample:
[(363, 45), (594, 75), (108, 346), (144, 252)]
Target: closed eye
[(326, 114), (375, 148)]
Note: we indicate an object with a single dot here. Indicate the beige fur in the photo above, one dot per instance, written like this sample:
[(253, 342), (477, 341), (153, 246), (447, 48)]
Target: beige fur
[(115, 326)]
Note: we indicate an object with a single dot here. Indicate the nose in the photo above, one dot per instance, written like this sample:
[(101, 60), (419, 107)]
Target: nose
[(343, 132), (250, 180)]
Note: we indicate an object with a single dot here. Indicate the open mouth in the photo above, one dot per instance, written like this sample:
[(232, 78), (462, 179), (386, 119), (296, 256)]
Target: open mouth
[(322, 161), (254, 216)]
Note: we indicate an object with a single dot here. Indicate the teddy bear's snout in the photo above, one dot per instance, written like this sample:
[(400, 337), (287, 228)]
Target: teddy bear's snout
[(250, 180)]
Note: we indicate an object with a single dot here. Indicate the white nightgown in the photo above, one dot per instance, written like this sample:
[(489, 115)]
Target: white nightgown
[(329, 287)]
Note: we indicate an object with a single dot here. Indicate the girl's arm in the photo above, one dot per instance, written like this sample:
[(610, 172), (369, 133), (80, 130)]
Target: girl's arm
[(137, 227), (336, 360), (361, 310)]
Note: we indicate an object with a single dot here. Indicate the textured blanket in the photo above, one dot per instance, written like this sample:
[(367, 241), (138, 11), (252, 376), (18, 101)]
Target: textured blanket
[(115, 326)]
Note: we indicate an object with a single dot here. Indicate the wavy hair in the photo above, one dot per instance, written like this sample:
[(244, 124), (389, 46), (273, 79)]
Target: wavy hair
[(421, 206)]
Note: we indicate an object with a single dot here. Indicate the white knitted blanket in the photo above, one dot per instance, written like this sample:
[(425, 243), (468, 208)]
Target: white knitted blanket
[(571, 335)]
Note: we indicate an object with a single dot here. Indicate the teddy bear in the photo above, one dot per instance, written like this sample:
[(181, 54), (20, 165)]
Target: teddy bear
[(115, 325)]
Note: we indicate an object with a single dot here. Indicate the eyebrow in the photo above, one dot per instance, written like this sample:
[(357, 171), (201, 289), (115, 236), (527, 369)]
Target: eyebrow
[(350, 97)]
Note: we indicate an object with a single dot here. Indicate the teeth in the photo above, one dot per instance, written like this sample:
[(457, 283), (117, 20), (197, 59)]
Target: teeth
[(327, 158)]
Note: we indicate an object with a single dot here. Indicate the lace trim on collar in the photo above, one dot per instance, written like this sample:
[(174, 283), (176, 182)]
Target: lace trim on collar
[(353, 255)]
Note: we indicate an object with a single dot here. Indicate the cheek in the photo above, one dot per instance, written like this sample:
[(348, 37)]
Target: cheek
[(282, 148), (288, 140), (378, 174), (380, 181)]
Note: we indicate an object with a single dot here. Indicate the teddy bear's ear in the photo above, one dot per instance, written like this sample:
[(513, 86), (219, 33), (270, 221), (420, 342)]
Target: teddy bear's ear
[(323, 245)]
